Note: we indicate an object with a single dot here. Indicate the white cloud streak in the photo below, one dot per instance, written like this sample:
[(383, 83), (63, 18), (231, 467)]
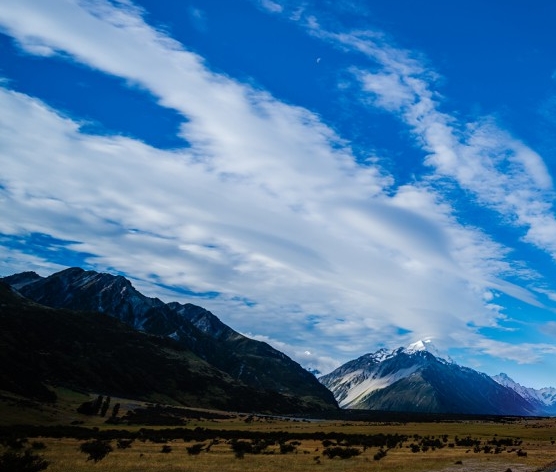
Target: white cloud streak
[(502, 172), (268, 203)]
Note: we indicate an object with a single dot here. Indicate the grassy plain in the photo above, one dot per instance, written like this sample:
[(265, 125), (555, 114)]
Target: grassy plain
[(290, 444)]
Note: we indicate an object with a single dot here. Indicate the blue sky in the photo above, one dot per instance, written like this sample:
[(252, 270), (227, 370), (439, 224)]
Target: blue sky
[(329, 177)]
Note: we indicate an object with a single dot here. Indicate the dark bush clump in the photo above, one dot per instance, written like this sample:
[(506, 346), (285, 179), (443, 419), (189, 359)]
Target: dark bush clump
[(96, 449), (38, 445), (12, 461), (14, 442), (124, 443), (287, 448), (415, 447), (195, 449), (379, 455), (241, 448), (341, 452)]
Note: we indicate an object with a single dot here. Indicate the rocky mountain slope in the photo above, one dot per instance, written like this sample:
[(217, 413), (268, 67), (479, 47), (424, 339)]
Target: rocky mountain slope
[(253, 363), (544, 399), (43, 347), (414, 379)]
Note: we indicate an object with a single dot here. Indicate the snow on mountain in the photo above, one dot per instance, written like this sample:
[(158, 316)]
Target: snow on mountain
[(421, 345), (372, 382), (428, 346), (419, 378), (355, 380), (544, 397)]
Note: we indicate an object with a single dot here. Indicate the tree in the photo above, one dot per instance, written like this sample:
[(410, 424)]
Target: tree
[(115, 410), (97, 405), (87, 408), (105, 406), (93, 407)]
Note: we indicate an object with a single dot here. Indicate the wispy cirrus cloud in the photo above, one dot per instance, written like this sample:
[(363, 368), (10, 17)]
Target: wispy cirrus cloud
[(198, 19), (549, 328), (273, 7), (522, 353), (268, 203), (501, 171), (497, 170)]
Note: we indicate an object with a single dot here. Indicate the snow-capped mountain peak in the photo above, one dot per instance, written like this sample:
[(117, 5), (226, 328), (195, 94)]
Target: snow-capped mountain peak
[(420, 345), (426, 345), (419, 378)]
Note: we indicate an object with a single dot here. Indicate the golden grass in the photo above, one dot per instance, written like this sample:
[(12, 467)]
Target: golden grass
[(537, 435), (65, 456)]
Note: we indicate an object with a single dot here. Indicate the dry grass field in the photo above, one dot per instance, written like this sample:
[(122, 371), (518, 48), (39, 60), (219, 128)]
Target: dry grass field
[(233, 442), (64, 456)]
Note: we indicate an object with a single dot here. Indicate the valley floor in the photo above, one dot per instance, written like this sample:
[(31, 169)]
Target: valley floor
[(64, 455), (205, 441)]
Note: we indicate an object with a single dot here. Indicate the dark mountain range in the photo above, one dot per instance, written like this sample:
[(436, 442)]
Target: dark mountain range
[(415, 380), (252, 363), (89, 351)]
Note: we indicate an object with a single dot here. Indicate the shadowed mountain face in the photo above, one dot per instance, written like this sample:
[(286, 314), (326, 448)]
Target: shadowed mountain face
[(417, 381), (42, 346), (244, 360)]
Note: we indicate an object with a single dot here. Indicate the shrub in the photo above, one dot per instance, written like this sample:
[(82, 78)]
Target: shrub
[(124, 443), (12, 461), (379, 455), (87, 408), (257, 446), (96, 449), (287, 448), (240, 448), (195, 449), (341, 452), (415, 447), (14, 442), (467, 442)]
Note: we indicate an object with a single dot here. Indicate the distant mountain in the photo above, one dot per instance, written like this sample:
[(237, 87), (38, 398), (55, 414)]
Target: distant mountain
[(413, 379), (253, 363), (86, 351), (544, 399)]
